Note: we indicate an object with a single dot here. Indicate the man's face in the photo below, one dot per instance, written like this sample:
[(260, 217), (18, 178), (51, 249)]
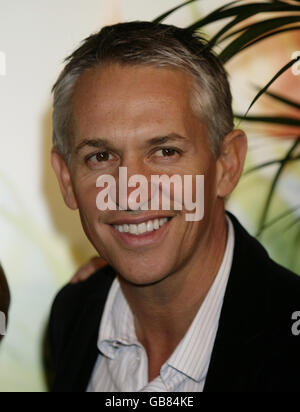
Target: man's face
[(140, 118)]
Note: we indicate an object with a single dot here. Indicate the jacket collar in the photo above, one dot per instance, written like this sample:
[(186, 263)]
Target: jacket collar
[(77, 366), (240, 339)]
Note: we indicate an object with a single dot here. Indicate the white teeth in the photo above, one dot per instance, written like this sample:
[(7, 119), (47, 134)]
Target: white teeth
[(162, 221), (144, 227), (150, 226), (133, 229)]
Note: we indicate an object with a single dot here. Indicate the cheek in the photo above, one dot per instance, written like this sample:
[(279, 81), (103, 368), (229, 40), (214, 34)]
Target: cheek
[(86, 194), (199, 192)]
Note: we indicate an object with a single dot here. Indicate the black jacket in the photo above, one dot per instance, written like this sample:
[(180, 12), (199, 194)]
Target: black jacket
[(255, 349)]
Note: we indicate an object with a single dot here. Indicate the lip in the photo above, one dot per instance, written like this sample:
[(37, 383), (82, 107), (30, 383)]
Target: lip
[(146, 239), (135, 220)]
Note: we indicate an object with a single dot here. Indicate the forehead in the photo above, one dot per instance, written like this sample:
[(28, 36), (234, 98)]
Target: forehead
[(118, 99)]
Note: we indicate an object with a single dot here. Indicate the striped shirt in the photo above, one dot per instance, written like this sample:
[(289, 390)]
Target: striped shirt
[(122, 364)]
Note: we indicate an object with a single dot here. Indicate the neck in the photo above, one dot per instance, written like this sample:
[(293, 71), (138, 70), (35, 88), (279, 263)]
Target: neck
[(164, 311)]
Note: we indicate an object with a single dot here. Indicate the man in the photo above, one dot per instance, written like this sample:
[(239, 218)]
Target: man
[(4, 302), (184, 304)]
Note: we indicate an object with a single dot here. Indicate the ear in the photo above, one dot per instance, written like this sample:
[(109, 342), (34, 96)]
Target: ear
[(230, 162), (63, 175)]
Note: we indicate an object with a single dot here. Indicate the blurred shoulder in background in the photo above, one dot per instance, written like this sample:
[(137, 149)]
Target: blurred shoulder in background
[(4, 295), (88, 269)]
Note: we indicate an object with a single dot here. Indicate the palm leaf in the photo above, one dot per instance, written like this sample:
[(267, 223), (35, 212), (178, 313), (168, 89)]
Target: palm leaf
[(244, 15), (254, 31), (226, 28), (280, 217), (274, 184), (268, 35), (215, 16), (243, 11), (292, 224), (264, 89), (254, 24), (270, 163), (276, 120), (282, 99)]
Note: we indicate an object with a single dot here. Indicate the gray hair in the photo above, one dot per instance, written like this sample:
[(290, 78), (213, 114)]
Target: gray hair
[(158, 45)]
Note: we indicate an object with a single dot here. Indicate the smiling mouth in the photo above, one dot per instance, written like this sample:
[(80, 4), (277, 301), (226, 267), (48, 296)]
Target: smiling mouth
[(142, 228)]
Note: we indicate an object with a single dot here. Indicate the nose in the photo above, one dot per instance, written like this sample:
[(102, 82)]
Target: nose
[(133, 186)]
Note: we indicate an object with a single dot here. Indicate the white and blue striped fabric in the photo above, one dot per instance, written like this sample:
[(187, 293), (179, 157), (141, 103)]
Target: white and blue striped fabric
[(122, 364)]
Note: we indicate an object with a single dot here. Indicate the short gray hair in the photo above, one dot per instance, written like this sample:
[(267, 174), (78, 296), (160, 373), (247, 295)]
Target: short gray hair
[(158, 45)]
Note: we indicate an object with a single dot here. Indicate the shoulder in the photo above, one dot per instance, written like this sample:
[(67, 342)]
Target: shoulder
[(285, 283), (282, 337), (251, 253), (4, 292), (261, 281), (72, 302), (260, 310), (73, 297), (283, 298)]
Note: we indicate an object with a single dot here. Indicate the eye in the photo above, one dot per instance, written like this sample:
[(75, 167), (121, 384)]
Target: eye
[(166, 152), (100, 157)]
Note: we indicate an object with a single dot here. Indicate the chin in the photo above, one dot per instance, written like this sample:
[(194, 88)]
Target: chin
[(143, 280), (141, 273)]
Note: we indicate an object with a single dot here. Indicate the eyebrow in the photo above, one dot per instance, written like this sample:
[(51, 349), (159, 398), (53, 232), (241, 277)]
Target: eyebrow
[(104, 144), (97, 143), (173, 137)]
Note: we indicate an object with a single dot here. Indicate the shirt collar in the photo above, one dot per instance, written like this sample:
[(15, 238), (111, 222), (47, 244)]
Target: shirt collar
[(191, 355), (117, 325)]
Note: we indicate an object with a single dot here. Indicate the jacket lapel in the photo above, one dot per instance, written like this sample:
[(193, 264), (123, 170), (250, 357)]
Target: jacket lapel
[(81, 354), (237, 356), (76, 368)]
